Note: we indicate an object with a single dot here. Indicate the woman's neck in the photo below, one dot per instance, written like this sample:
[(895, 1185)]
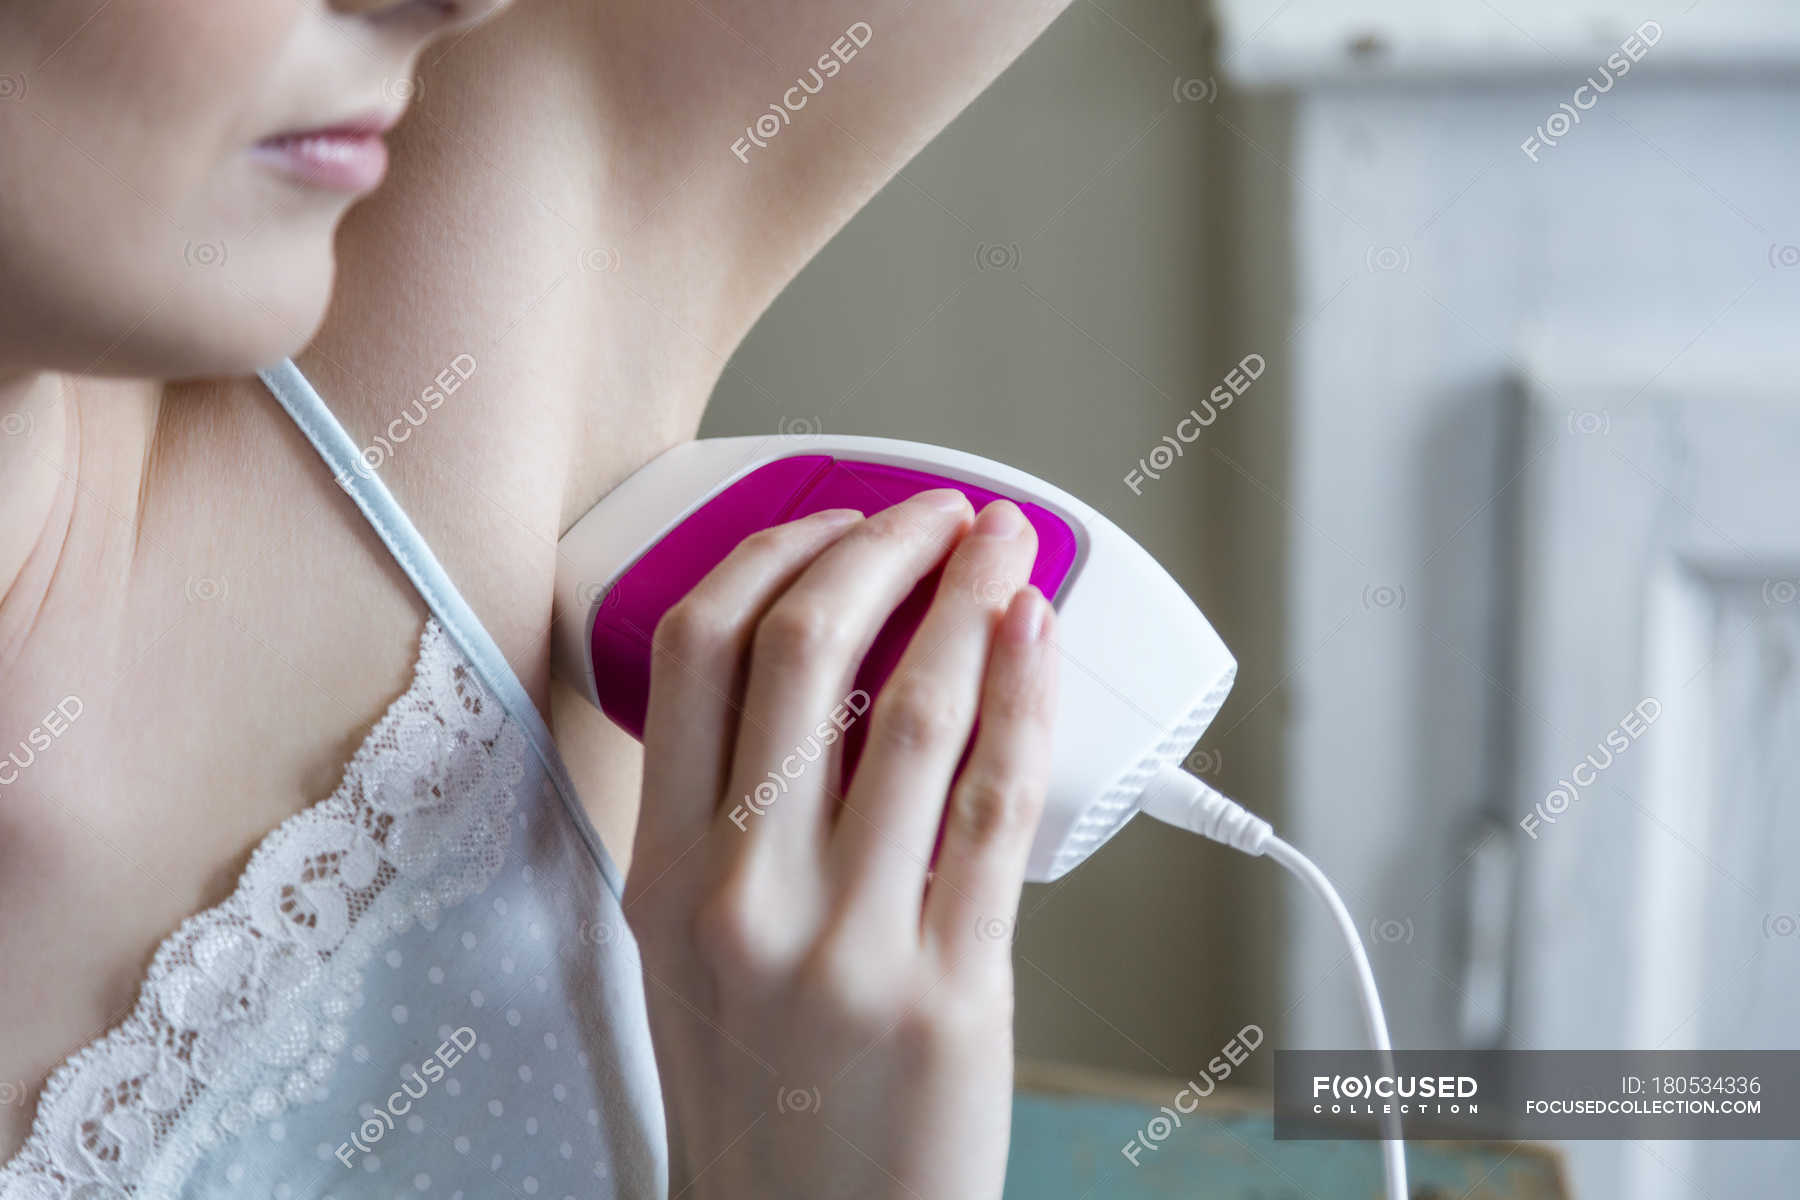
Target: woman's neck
[(74, 453)]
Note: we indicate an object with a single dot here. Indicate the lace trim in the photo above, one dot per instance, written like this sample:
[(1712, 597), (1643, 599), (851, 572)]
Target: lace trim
[(241, 1013)]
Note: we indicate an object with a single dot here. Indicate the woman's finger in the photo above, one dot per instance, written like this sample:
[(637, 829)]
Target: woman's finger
[(922, 719), (804, 660), (973, 898), (698, 656)]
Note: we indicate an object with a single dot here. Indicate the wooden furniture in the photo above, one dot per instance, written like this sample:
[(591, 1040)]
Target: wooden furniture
[(1070, 1125)]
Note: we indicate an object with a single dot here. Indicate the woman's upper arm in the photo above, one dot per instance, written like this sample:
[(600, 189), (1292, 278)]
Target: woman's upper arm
[(577, 208)]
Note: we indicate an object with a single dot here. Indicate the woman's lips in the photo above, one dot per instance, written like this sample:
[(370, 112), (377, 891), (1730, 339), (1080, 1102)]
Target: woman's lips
[(347, 158)]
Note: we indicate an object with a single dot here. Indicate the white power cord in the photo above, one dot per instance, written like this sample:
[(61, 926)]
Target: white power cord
[(1184, 801)]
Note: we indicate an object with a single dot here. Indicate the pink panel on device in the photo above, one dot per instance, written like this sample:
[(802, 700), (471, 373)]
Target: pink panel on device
[(773, 493)]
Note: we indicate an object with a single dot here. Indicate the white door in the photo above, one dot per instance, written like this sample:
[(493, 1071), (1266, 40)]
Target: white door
[(1658, 730)]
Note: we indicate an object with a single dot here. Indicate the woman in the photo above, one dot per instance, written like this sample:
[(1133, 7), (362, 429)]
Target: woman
[(410, 973)]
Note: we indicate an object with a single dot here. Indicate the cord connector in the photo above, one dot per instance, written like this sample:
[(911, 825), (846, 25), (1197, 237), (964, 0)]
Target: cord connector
[(1186, 802)]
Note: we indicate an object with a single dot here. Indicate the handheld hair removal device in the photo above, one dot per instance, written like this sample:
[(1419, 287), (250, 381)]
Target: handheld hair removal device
[(1144, 673)]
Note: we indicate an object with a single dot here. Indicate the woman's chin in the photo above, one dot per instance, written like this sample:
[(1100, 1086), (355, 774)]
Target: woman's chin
[(202, 343), (233, 317)]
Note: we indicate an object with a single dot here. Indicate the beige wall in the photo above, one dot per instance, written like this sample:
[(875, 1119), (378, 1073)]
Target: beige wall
[(1041, 287)]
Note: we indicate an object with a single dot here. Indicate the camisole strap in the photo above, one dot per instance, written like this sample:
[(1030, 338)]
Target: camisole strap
[(328, 436)]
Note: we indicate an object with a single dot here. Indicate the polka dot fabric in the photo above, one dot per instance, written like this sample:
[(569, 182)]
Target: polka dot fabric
[(422, 987)]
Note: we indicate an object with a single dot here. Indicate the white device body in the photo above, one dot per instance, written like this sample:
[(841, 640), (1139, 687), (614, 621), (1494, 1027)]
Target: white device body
[(1142, 672)]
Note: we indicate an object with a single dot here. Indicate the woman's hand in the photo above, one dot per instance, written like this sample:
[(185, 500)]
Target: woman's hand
[(832, 1016)]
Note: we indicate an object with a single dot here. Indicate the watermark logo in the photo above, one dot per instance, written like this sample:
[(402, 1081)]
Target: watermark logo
[(598, 933), (1384, 597), (1194, 90), (610, 594), (378, 1120), (1218, 1069), (1374, 1095), (601, 260), (799, 427), (204, 589), (995, 929), (997, 256), (444, 384), (204, 254), (1588, 422), (826, 733), (1391, 932), (996, 590), (1162, 456), (797, 1100), (1567, 791), (42, 736), (1384, 260), (1204, 762), (767, 126), (1567, 116)]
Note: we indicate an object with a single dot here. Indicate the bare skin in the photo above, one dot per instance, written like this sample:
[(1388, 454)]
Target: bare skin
[(830, 1004), (565, 207)]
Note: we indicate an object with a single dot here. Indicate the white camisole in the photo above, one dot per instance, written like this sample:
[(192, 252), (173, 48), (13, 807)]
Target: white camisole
[(422, 985)]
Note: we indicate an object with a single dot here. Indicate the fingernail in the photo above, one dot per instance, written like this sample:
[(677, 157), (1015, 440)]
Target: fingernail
[(831, 518), (942, 499), (1026, 617), (1002, 518)]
